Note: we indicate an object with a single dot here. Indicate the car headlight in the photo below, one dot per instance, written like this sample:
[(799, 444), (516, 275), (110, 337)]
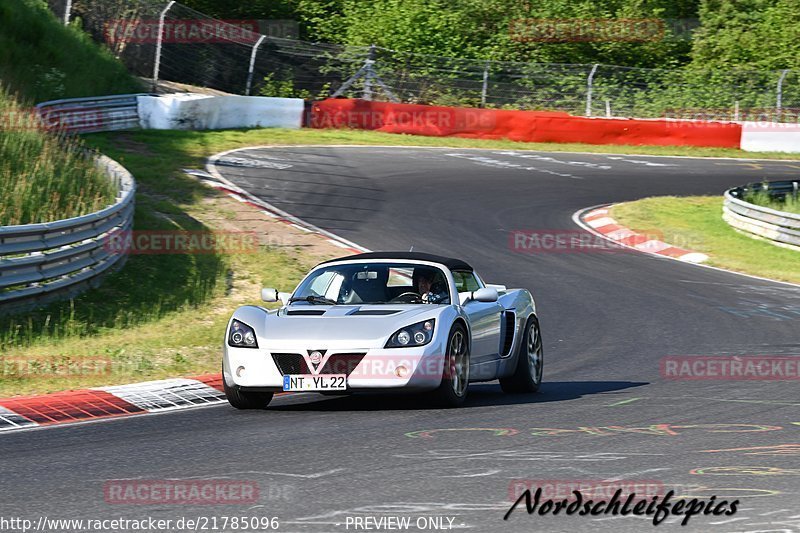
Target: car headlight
[(241, 335), (418, 334)]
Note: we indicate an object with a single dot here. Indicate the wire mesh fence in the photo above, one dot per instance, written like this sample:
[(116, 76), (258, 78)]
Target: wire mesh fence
[(170, 41)]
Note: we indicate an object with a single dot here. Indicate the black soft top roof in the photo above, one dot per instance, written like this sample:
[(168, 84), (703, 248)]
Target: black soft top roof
[(449, 262)]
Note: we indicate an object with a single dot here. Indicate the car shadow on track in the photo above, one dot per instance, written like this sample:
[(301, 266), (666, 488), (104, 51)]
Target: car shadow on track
[(480, 395)]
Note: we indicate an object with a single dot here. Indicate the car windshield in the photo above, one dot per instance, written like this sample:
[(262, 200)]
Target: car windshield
[(374, 283)]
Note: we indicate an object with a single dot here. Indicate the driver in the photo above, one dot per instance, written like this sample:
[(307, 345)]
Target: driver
[(428, 284)]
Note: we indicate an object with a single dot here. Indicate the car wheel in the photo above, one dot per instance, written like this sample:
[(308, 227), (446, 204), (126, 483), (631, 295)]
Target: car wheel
[(530, 361), (246, 400), (455, 374)]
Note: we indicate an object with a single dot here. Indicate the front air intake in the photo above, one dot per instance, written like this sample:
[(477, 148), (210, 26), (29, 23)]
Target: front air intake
[(290, 363), (338, 363)]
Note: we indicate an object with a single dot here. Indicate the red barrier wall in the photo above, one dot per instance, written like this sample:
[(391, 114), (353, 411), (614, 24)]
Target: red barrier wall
[(527, 126)]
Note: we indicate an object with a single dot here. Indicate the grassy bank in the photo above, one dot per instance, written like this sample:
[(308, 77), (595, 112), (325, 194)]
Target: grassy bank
[(696, 222), (43, 176), (41, 59)]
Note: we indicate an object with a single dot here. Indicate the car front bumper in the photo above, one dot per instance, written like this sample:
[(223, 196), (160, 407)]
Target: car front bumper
[(263, 369)]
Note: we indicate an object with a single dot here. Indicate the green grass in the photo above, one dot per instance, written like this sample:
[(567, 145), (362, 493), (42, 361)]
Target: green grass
[(41, 59), (695, 222), (790, 204), (44, 176)]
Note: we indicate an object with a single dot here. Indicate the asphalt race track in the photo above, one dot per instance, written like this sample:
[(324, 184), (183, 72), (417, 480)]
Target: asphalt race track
[(605, 412)]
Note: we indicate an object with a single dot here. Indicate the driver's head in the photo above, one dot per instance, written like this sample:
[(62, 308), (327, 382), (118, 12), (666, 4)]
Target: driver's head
[(424, 279), (425, 284)]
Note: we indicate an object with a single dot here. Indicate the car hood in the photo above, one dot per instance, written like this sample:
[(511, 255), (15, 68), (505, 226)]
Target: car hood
[(342, 326)]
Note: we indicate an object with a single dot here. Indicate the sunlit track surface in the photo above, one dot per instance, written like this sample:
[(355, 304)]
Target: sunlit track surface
[(605, 412)]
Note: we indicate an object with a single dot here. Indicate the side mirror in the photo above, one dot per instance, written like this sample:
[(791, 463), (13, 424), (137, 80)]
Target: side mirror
[(272, 295), (487, 294), (269, 294)]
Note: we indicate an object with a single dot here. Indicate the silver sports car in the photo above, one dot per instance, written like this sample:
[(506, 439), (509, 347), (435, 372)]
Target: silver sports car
[(397, 321)]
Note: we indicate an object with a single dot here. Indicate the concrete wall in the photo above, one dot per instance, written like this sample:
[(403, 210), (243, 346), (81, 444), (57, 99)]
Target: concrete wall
[(205, 112), (766, 137)]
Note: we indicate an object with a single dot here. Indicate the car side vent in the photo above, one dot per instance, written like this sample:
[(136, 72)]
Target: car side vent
[(509, 318)]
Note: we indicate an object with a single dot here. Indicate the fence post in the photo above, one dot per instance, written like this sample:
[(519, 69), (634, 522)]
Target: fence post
[(252, 64), (370, 73), (160, 37), (779, 102), (589, 83), (485, 88), (67, 12), (736, 111)]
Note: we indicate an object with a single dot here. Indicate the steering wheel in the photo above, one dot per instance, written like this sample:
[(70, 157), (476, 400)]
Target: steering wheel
[(415, 295)]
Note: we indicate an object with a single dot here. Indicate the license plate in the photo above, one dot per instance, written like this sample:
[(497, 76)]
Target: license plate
[(310, 382)]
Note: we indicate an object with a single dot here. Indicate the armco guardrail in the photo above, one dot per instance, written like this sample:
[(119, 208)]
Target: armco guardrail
[(39, 261), (93, 114), (778, 226)]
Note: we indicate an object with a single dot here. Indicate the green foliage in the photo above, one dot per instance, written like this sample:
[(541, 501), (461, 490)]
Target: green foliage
[(762, 34), (284, 87), (41, 59), (491, 29), (473, 28), (759, 34)]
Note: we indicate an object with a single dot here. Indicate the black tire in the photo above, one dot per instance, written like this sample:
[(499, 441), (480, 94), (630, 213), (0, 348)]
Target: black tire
[(455, 373), (246, 400), (527, 376)]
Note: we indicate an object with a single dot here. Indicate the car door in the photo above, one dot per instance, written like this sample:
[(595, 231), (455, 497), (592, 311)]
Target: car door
[(484, 319)]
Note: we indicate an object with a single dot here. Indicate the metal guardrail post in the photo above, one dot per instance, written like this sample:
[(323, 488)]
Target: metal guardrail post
[(589, 87), (252, 64), (779, 98), (67, 12), (159, 40), (485, 87), (370, 73)]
